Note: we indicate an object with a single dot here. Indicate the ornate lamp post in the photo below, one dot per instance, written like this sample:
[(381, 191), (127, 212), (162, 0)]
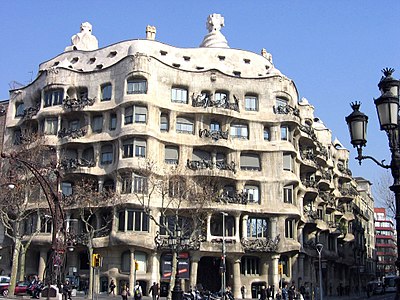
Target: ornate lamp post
[(59, 234), (319, 250), (387, 106), (177, 242)]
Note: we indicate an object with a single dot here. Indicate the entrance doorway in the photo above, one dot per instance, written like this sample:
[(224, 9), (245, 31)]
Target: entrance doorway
[(208, 273), (256, 288)]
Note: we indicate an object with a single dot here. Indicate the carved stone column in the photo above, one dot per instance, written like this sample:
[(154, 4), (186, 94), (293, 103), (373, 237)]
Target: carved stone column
[(264, 268), (274, 270), (294, 263), (274, 227), (194, 264), (132, 270), (237, 283), (42, 263), (300, 236), (155, 267), (301, 272), (208, 227), (244, 225), (237, 226)]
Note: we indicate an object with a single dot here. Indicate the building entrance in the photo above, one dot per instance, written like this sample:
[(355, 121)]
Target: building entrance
[(208, 273)]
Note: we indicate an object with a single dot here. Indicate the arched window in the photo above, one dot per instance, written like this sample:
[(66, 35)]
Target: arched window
[(137, 85)]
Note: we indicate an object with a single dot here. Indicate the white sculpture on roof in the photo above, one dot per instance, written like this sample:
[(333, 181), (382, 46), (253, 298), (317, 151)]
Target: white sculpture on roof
[(84, 40), (215, 38)]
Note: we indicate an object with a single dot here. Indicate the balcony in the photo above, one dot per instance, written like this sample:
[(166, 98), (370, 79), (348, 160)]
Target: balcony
[(266, 244), (77, 103), (214, 134), (71, 133), (208, 164)]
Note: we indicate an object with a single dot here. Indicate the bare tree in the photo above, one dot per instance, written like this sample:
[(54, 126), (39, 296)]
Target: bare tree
[(383, 195), (95, 209), (182, 201)]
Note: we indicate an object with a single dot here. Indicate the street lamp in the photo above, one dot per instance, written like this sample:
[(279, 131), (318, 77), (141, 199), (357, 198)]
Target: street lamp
[(176, 243), (387, 106), (58, 240), (319, 250), (223, 262)]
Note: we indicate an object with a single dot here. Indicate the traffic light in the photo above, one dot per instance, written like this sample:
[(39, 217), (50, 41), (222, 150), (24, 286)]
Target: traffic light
[(136, 265), (280, 269), (96, 260)]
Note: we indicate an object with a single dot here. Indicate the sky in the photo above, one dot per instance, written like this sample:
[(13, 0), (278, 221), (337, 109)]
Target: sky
[(334, 50)]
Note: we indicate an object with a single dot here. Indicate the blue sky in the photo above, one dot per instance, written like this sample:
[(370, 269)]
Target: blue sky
[(332, 50)]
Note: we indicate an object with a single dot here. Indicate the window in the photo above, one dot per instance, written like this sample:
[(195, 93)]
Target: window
[(88, 154), (281, 103), (106, 91), (289, 228), (221, 97), (133, 220), (251, 103), (171, 155), (184, 125), (137, 86), (257, 227), (179, 95), (19, 109), (239, 131), (74, 124), (51, 126), (250, 265), (284, 133), (97, 124), (132, 183), (287, 162), (113, 122), (250, 161), (215, 126), (140, 184), (45, 224), (17, 137), (267, 134), (66, 188), (140, 113), (140, 148), (288, 194), (106, 154), (53, 97), (131, 145), (253, 193), (164, 122)]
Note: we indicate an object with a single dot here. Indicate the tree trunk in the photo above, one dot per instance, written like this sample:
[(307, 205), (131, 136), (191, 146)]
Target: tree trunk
[(173, 275), (14, 268), (90, 291), (22, 264)]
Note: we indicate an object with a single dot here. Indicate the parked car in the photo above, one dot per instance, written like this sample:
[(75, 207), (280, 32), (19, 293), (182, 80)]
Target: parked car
[(376, 287), (20, 288)]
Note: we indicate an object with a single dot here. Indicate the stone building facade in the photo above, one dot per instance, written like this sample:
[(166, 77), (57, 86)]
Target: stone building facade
[(211, 111)]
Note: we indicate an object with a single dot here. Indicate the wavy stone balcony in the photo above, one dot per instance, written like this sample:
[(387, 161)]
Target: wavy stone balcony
[(69, 164), (286, 110), (234, 198)]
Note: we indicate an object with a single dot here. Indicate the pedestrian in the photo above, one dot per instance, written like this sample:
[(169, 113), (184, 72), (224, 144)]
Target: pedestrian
[(125, 292), (112, 287), (137, 291), (285, 292), (263, 293), (154, 291), (279, 294), (269, 293), (292, 291), (67, 290), (243, 291)]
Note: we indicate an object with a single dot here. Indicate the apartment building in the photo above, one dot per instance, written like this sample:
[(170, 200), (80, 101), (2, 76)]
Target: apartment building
[(211, 111)]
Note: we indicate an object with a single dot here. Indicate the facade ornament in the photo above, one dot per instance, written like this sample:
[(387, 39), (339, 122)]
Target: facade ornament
[(214, 134), (72, 133), (236, 198), (151, 32), (204, 100), (267, 55), (267, 244), (74, 163), (193, 243), (30, 112), (214, 38), (84, 40), (77, 103)]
